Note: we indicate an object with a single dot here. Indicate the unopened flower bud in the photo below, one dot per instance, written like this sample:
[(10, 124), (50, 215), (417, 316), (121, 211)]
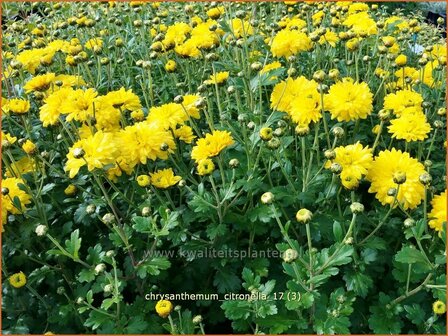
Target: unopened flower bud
[(146, 211), (267, 198), (234, 163), (319, 76), (78, 153), (330, 154), (409, 222), (356, 207), (5, 191), (338, 132), (256, 66), (110, 253), (274, 143), (108, 288), (425, 179), (108, 218), (197, 319), (392, 192), (41, 230), (290, 255), (100, 268), (304, 216), (336, 168), (438, 124), (302, 130), (399, 177)]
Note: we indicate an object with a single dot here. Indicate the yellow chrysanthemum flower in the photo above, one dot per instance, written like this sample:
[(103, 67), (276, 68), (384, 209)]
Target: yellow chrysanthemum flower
[(124, 99), (299, 98), (439, 307), (164, 178), (347, 100), (11, 186), (23, 166), (145, 140), (168, 115), (16, 105), (79, 105), (17, 280), (290, 42), (39, 83), (211, 145), (437, 216), (164, 308), (184, 133), (403, 101), (205, 167), (189, 103), (241, 28), (218, 78), (410, 127), (143, 180), (50, 111), (95, 151), (390, 163), (355, 161)]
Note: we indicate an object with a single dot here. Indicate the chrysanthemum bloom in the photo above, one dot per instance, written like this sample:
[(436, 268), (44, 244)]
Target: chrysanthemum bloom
[(145, 140), (439, 307), (299, 98), (329, 37), (143, 180), (184, 133), (50, 111), (176, 34), (124, 99), (70, 190), (18, 106), (94, 43), (164, 178), (217, 78), (383, 175), (29, 147), (410, 127), (39, 83), (164, 308), (361, 23), (270, 66), (169, 115), (107, 117), (20, 167), (17, 280), (241, 28), (404, 101), (97, 150), (79, 105), (11, 190), (205, 167), (290, 42), (355, 161), (189, 103), (9, 138), (211, 145), (215, 12), (347, 100), (170, 66), (437, 216)]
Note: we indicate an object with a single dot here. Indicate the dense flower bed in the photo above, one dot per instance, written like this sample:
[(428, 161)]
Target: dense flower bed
[(222, 167)]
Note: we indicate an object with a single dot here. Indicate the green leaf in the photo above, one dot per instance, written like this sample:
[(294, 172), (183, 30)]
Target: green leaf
[(142, 224), (337, 231), (226, 281), (358, 282), (86, 275), (410, 255), (235, 310), (74, 244), (415, 314)]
